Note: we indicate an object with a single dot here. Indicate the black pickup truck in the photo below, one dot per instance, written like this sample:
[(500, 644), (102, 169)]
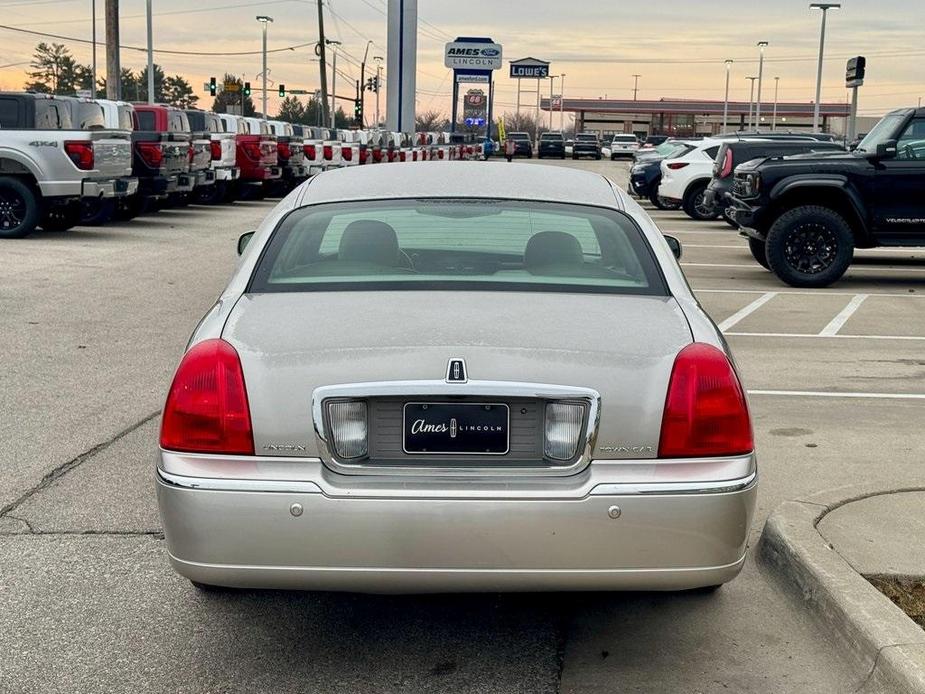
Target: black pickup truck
[(805, 215)]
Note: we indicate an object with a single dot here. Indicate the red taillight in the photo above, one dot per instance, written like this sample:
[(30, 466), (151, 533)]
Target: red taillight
[(216, 147), (206, 410), (705, 411), (440, 154), (283, 150), (151, 153), (252, 150), (402, 156), (191, 152), (309, 151), (364, 155), (81, 153), (328, 152), (727, 165), (674, 166), (346, 153), (377, 155)]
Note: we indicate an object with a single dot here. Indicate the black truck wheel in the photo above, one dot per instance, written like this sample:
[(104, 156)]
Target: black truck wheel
[(759, 252), (810, 246), (19, 209), (694, 205), (97, 211), (61, 218)]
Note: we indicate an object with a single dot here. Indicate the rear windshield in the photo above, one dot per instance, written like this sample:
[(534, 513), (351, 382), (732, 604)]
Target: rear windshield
[(90, 116), (519, 136), (584, 137), (624, 138), (551, 136), (177, 122), (125, 118), (480, 244), (145, 120), (197, 120)]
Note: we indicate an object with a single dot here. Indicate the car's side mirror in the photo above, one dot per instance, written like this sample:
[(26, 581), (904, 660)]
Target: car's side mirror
[(674, 245), (244, 239), (886, 150)]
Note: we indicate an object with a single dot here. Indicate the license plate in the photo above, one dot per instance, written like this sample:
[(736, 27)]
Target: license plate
[(456, 428)]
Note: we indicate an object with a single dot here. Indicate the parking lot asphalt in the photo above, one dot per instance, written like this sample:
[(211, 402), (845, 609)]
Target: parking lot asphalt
[(94, 321)]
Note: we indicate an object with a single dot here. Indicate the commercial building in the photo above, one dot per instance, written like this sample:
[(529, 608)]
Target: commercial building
[(691, 118)]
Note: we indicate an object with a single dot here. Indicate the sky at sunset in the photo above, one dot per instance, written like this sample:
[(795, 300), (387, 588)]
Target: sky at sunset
[(678, 46)]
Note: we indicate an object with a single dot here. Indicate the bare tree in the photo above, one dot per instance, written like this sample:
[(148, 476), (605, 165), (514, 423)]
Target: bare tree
[(431, 121), (521, 123)]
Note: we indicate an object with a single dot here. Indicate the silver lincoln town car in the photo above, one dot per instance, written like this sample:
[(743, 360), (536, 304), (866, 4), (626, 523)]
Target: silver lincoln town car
[(457, 376)]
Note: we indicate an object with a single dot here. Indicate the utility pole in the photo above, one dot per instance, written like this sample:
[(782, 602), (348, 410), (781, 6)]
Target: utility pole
[(93, 32), (825, 7), (761, 45), (726, 99), (320, 52), (635, 85), (378, 59), (265, 20), (150, 53), (113, 73), (552, 79), (562, 102)]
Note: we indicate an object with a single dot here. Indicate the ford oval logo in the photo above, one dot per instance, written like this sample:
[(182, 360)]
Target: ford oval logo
[(490, 52)]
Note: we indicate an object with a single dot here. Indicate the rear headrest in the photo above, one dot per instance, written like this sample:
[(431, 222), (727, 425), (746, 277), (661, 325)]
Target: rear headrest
[(369, 241), (552, 248)]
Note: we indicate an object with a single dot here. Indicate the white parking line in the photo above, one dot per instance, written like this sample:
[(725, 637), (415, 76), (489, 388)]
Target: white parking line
[(755, 266), (814, 292), (829, 337), (839, 321), (829, 394), (747, 311)]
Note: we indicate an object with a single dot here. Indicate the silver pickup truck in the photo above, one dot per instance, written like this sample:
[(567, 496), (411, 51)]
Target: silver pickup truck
[(55, 151)]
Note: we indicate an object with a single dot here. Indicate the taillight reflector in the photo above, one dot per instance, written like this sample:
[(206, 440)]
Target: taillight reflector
[(309, 151), (674, 166), (705, 412), (283, 150), (216, 147), (191, 152), (151, 153), (207, 410), (364, 155), (328, 152), (346, 153), (252, 150), (81, 153)]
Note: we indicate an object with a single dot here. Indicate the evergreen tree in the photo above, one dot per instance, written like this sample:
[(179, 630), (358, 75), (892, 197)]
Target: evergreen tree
[(54, 70), (178, 92), (225, 98), (291, 110)]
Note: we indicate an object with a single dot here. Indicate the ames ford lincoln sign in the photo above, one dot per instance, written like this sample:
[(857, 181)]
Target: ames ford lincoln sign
[(463, 55)]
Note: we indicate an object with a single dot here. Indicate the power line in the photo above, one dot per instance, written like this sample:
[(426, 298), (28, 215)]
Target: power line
[(175, 12)]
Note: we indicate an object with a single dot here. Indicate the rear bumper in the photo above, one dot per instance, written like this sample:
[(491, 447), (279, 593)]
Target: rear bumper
[(615, 537), (205, 177), (110, 188), (154, 186), (263, 173), (295, 171), (227, 173), (182, 183)]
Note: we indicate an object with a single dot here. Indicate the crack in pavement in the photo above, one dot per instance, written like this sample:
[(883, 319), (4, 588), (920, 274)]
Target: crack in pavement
[(57, 473), (158, 534)]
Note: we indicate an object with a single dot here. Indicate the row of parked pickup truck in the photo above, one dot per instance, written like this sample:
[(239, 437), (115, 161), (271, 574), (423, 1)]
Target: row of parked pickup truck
[(67, 160)]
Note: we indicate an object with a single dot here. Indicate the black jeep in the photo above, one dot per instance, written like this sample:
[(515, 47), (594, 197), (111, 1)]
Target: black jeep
[(804, 215)]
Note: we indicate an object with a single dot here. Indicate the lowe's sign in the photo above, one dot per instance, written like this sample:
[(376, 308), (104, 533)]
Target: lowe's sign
[(468, 55), (529, 68)]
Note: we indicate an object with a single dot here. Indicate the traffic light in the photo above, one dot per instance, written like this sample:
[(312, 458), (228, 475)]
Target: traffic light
[(247, 89), (358, 112), (213, 86), (282, 90)]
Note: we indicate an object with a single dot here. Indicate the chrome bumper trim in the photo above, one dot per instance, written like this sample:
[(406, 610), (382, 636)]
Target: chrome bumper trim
[(307, 487)]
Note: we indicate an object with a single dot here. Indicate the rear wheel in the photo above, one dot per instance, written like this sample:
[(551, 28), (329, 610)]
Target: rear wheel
[(694, 204), (208, 195), (810, 246), (759, 252), (662, 203), (19, 209), (97, 211)]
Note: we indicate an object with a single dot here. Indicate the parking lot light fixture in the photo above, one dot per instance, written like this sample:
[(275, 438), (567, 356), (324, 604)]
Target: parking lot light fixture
[(726, 99), (264, 20), (761, 46), (825, 7)]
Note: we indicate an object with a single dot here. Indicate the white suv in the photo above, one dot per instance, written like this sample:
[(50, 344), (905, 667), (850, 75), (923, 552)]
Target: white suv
[(623, 146), (686, 178)]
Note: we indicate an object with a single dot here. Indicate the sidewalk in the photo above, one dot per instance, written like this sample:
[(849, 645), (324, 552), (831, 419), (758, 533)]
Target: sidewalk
[(825, 547)]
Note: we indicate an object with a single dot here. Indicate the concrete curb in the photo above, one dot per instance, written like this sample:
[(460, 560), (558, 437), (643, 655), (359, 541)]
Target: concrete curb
[(863, 621)]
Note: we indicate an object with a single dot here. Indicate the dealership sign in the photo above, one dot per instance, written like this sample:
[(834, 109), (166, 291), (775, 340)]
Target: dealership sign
[(468, 55), (529, 68)]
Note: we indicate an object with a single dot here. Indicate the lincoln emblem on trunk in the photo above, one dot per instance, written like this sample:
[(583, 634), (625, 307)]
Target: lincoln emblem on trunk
[(456, 371)]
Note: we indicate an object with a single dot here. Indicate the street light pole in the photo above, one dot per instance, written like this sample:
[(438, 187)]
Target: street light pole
[(552, 81), (726, 99), (93, 69), (263, 19), (774, 116), (331, 42), (378, 59), (363, 82), (761, 46), (825, 7), (751, 101), (562, 102), (150, 54), (635, 85)]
